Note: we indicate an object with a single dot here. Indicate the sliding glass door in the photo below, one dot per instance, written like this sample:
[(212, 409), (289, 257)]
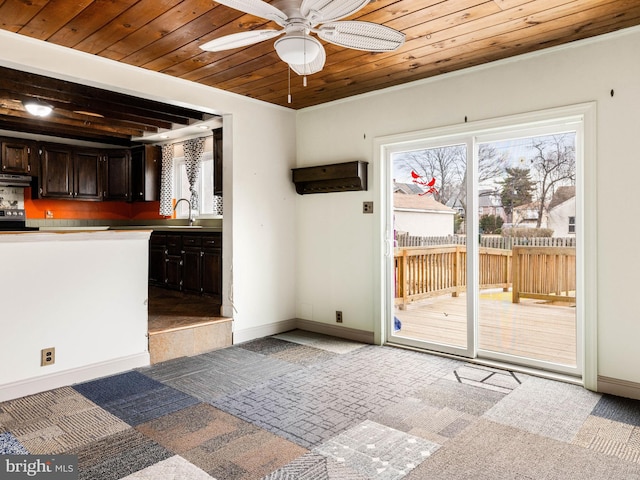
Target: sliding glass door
[(481, 234)]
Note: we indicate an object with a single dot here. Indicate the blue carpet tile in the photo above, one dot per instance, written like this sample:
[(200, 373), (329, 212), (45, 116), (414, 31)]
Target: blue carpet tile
[(10, 445), (619, 409), (134, 397)]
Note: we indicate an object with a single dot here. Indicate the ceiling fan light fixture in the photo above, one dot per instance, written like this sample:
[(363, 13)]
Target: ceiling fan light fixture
[(37, 108), (297, 49)]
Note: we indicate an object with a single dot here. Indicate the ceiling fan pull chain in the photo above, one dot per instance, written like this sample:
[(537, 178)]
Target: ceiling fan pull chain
[(289, 95)]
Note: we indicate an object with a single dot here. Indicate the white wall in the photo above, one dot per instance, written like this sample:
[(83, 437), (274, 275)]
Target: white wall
[(259, 239), (84, 294), (336, 244)]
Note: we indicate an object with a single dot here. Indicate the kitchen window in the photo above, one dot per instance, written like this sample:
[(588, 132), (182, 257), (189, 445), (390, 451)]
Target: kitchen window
[(204, 186)]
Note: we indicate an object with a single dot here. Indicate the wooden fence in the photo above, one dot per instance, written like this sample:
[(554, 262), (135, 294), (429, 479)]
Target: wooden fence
[(538, 272), (489, 241), (544, 273)]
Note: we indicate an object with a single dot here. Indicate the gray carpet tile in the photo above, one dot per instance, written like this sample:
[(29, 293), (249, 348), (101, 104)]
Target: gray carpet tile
[(502, 381), (620, 409), (318, 340), (173, 468), (458, 396), (267, 345), (417, 418), (312, 466), (118, 455), (311, 405), (613, 438), (552, 409), (488, 450), (134, 397), (377, 451), (219, 373), (57, 420)]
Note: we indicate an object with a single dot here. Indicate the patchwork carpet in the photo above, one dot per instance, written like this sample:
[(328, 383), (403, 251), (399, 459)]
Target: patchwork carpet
[(305, 406)]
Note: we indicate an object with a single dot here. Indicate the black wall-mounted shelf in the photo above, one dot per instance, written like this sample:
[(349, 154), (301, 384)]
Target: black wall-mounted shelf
[(337, 177)]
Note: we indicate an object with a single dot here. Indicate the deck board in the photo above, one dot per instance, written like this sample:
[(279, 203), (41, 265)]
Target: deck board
[(532, 328)]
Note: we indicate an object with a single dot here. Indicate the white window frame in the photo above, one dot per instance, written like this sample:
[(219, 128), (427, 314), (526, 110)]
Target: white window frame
[(179, 173)]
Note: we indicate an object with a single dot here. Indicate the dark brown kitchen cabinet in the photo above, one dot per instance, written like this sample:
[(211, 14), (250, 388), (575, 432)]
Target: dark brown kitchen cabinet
[(17, 156), (70, 173), (173, 262), (145, 173), (191, 263), (157, 266), (217, 161), (56, 172), (116, 168), (87, 175)]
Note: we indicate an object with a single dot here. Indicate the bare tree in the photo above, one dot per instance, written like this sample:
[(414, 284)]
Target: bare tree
[(448, 164), (553, 165)]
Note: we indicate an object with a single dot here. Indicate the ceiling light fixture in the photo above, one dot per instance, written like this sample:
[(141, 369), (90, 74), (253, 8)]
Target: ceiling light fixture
[(37, 108), (297, 48)]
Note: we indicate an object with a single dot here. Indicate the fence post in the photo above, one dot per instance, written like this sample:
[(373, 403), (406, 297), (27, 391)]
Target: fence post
[(515, 273), (403, 280)]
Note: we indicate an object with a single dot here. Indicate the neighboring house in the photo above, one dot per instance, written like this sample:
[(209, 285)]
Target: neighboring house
[(561, 217), (526, 216), (422, 215), (490, 203)]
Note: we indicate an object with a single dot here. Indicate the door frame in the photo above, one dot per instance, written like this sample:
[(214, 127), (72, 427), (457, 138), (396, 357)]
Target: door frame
[(586, 209)]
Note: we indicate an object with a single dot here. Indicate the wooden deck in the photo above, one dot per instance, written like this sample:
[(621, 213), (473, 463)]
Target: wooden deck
[(532, 329)]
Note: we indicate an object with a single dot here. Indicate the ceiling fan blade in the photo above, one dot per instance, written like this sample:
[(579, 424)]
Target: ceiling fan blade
[(242, 39), (367, 36), (257, 8), (322, 11), (314, 66)]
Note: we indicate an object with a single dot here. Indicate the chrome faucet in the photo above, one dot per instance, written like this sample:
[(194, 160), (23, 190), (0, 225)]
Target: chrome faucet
[(190, 210)]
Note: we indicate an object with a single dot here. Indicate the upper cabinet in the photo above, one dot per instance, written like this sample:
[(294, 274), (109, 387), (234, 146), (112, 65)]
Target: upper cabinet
[(56, 172), (145, 173), (17, 156), (116, 183), (72, 172), (217, 161), (87, 175)]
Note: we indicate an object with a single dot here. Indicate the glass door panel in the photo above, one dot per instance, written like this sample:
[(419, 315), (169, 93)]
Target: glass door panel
[(527, 251), (428, 208)]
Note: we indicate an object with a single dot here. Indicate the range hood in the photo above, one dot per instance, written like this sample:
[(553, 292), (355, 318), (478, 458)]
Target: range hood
[(9, 180), (337, 177)]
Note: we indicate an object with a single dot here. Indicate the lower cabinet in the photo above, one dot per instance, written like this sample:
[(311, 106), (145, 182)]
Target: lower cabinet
[(188, 262)]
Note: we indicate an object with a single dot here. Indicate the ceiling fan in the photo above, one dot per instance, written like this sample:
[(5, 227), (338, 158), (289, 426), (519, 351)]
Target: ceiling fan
[(298, 18)]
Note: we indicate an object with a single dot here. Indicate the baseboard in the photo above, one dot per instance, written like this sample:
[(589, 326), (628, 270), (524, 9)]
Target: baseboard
[(621, 388), (336, 331), (65, 378), (246, 334)]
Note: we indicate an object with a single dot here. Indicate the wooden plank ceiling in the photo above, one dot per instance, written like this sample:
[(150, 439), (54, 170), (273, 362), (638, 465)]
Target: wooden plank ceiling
[(441, 36)]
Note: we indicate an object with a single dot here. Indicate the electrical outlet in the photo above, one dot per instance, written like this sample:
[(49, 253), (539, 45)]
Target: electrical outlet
[(338, 316), (48, 214), (47, 356), (367, 207)]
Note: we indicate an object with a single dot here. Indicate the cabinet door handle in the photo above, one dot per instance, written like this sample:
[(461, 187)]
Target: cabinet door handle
[(202, 254)]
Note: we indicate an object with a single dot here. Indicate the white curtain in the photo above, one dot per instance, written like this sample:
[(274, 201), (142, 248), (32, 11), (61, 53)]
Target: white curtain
[(193, 150), (166, 181)]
